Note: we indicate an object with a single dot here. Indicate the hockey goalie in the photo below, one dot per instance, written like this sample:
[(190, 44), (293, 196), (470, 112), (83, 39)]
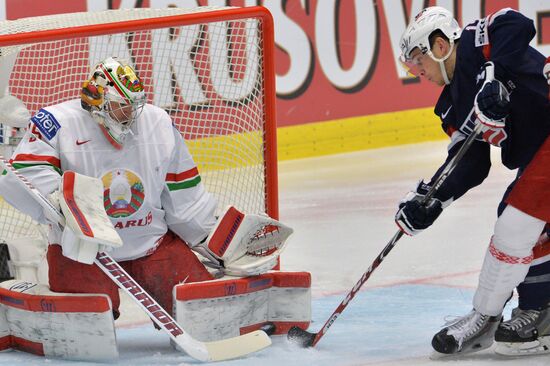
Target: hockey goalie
[(117, 167)]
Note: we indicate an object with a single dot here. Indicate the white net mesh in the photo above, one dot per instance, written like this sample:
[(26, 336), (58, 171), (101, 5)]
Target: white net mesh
[(208, 75), (13, 223)]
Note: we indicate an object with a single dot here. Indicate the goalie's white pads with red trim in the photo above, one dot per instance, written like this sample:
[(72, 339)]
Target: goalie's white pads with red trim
[(88, 229), (245, 244), (232, 306), (70, 326), (28, 259)]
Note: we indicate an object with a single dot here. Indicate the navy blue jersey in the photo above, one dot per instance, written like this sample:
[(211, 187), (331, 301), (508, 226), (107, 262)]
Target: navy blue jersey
[(503, 38)]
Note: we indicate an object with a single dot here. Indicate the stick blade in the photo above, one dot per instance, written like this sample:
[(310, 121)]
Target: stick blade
[(236, 347), (301, 337)]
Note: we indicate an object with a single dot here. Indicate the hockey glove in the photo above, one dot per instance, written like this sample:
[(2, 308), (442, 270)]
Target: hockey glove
[(88, 229), (244, 244), (492, 102), (413, 216)]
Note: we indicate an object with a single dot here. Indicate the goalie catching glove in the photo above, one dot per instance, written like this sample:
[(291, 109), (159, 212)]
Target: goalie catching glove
[(88, 230), (413, 215), (244, 244)]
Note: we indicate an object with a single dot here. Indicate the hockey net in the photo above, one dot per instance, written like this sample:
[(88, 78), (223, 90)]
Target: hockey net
[(210, 68)]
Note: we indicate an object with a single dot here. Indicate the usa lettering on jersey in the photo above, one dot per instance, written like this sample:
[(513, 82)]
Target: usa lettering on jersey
[(46, 123)]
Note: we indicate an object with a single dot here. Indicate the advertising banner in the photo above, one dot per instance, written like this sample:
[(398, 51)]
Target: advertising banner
[(336, 61)]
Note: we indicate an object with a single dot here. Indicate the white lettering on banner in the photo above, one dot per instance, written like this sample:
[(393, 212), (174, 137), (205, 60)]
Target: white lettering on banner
[(471, 10), (184, 4), (225, 85), (366, 43), (100, 5), (533, 9), (225, 3), (397, 23), (117, 44), (107, 46), (292, 39), (173, 63), (3, 10)]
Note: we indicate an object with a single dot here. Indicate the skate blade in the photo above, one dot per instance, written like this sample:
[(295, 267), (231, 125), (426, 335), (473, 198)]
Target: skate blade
[(434, 356), (539, 347)]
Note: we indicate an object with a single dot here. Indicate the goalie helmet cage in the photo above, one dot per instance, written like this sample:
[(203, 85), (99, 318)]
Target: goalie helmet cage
[(210, 68)]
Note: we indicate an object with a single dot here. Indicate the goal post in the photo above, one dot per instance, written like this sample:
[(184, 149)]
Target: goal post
[(210, 68)]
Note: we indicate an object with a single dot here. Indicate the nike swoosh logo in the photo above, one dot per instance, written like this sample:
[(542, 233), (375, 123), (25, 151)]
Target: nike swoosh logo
[(78, 142), (444, 115)]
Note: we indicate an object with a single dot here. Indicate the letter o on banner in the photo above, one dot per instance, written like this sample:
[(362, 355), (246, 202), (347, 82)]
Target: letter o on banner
[(366, 26)]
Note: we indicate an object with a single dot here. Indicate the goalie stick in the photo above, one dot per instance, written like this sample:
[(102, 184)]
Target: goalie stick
[(203, 351), (308, 339)]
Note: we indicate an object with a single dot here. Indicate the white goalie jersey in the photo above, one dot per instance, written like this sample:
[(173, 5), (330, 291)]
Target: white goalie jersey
[(150, 185)]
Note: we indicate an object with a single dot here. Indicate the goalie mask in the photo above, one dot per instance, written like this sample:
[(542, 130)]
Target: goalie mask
[(417, 35), (114, 97)]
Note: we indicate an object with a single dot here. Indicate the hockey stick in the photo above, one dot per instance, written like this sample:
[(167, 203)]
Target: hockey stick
[(203, 351), (308, 339)]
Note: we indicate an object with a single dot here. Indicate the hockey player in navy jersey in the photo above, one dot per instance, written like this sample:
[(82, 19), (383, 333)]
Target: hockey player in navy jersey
[(514, 111)]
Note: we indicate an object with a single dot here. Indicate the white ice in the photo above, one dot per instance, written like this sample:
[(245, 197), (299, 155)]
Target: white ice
[(342, 209)]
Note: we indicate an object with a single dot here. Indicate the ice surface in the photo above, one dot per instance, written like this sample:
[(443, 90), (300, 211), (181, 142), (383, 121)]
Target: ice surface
[(342, 208)]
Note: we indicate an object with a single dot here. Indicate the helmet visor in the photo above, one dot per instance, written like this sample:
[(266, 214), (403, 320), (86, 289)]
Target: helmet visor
[(414, 65), (124, 115)]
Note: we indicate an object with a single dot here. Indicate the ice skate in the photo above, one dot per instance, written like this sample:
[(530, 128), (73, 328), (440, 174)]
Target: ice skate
[(470, 333), (526, 333)]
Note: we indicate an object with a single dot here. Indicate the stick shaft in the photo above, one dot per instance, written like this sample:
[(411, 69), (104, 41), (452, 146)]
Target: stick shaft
[(387, 249)]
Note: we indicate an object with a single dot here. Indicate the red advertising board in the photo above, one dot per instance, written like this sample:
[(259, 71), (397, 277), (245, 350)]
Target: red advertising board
[(334, 59)]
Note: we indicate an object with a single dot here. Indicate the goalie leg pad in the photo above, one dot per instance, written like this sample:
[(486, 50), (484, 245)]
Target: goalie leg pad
[(231, 306), (75, 327)]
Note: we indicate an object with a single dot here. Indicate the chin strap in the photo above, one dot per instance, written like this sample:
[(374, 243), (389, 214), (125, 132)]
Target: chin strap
[(444, 72), (441, 62)]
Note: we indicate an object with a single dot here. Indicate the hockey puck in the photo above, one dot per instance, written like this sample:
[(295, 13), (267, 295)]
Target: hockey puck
[(301, 337), (269, 328)]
